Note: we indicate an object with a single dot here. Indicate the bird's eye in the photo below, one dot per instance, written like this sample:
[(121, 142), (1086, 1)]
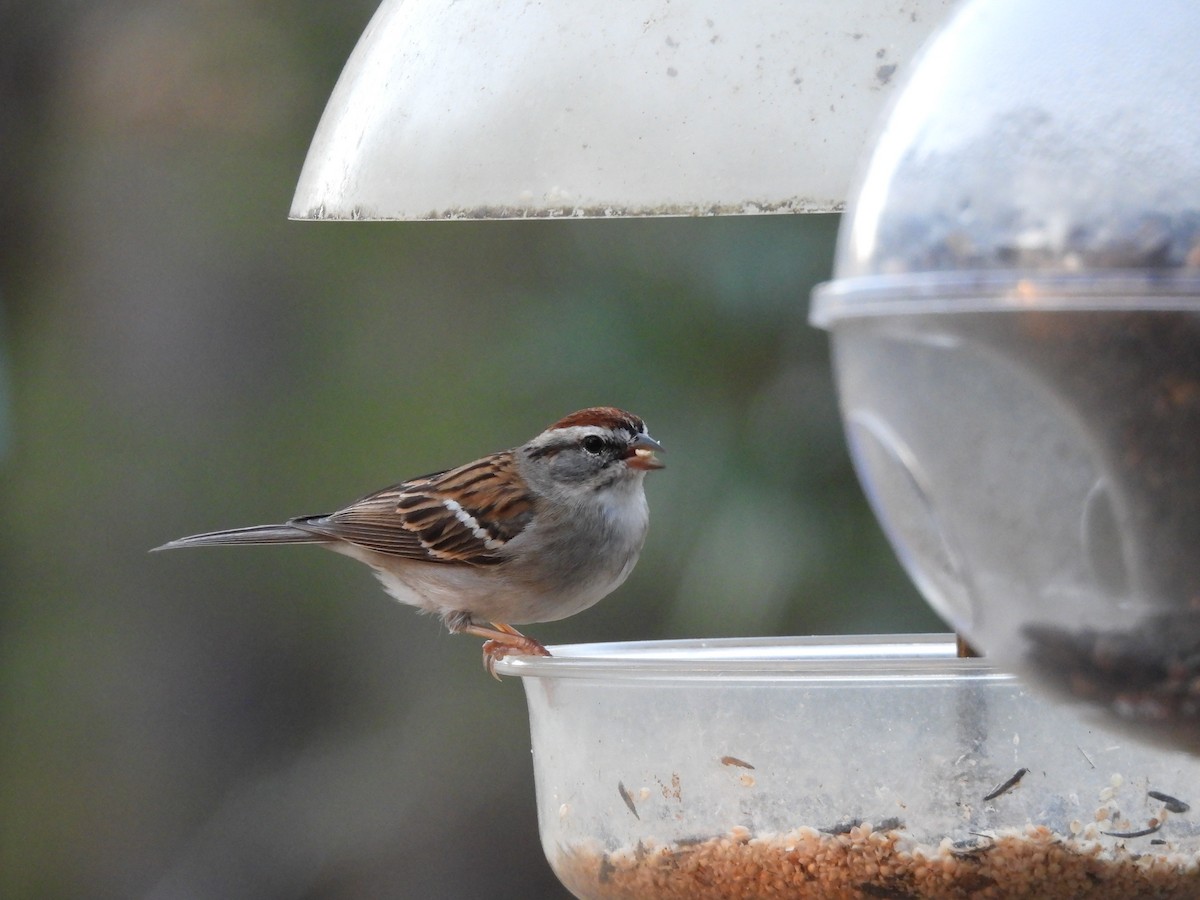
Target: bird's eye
[(593, 444)]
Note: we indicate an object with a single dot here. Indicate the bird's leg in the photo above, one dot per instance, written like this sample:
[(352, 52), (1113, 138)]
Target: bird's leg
[(501, 640)]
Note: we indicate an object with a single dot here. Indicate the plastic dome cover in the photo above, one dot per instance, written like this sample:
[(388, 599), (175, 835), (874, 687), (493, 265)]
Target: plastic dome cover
[(495, 109), (1056, 137)]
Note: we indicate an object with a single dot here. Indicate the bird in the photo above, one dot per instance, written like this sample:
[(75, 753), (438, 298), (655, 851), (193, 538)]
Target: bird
[(532, 534)]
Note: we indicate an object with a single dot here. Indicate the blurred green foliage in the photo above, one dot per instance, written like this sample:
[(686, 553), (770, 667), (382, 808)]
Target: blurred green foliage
[(181, 357)]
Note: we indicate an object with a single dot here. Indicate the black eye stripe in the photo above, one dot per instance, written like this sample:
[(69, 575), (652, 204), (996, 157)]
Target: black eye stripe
[(595, 444)]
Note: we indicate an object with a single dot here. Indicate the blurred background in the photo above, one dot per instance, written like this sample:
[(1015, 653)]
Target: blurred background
[(176, 356)]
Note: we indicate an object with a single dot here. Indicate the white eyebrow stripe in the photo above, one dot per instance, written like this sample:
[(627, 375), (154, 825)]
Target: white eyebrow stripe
[(473, 526)]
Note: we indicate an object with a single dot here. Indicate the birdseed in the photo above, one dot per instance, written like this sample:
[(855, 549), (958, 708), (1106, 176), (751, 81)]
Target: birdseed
[(864, 863)]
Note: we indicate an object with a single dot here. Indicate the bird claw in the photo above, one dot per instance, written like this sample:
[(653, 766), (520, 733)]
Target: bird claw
[(495, 650)]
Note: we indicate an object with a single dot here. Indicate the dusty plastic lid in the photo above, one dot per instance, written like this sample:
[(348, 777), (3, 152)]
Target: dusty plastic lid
[(1034, 138), (480, 109), (917, 657)]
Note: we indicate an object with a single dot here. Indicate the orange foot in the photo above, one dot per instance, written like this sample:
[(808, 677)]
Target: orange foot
[(502, 640), (496, 649)]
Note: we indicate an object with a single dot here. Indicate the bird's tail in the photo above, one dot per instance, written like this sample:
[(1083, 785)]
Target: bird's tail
[(256, 534)]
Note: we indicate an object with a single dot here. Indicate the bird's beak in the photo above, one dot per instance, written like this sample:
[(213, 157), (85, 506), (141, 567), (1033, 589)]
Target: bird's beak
[(641, 453)]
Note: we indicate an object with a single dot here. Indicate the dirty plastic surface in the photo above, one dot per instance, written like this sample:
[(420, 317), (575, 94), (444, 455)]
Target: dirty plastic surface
[(492, 109), (1016, 331)]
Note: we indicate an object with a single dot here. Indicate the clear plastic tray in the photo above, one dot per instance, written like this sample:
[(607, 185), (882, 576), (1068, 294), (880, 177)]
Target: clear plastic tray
[(840, 767)]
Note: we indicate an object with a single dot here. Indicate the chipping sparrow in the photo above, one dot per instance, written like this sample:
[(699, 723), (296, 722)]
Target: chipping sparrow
[(533, 534)]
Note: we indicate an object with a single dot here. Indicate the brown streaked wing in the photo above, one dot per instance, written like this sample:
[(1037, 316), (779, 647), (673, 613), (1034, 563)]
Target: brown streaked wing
[(412, 520), (371, 522)]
